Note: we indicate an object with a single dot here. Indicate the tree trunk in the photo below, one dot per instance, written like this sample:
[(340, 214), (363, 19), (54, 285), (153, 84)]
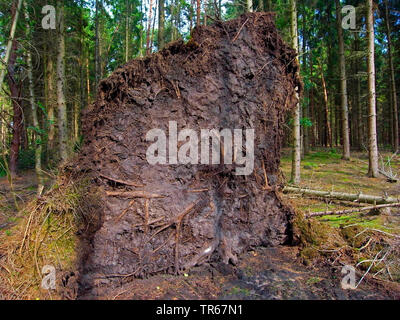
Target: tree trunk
[(97, 46), (296, 156), (342, 196), (392, 82), (3, 65), (127, 26), (17, 111), (349, 211), (306, 109), (82, 78), (372, 136), (35, 121), (326, 105), (343, 86), (148, 49), (249, 5), (161, 23), (61, 104), (267, 5), (50, 103), (198, 12)]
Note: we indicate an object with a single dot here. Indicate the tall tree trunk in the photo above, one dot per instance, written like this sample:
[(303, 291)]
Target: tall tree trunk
[(51, 102), (306, 109), (343, 85), (360, 123), (97, 64), (35, 121), (296, 156), (372, 136), (191, 14), (267, 5), (161, 24), (82, 88), (326, 105), (17, 111), (249, 5), (61, 104), (198, 12), (392, 82), (3, 65), (127, 29), (153, 27), (148, 49)]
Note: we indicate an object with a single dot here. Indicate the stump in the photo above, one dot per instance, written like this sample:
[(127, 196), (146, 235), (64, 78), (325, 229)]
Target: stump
[(168, 218)]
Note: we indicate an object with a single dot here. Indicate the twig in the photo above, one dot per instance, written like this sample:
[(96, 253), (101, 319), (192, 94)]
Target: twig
[(133, 194), (127, 183), (237, 34), (369, 268)]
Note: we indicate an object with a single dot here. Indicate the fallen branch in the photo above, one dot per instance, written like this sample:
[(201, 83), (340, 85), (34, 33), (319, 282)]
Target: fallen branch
[(348, 211), (127, 183), (342, 196), (391, 178), (134, 194)]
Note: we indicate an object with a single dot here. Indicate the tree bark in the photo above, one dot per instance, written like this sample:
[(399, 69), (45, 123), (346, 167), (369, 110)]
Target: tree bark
[(326, 109), (306, 109), (198, 12), (296, 155), (17, 125), (343, 86), (61, 104), (97, 46), (50, 102), (348, 211), (35, 121), (342, 196), (249, 5), (161, 23), (392, 82), (372, 136), (148, 49), (127, 26), (3, 66), (267, 5)]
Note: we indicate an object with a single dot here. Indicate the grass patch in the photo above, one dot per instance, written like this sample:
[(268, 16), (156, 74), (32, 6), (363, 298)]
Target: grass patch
[(44, 235), (354, 238)]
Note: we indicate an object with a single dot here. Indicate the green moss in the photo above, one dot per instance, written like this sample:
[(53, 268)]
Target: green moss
[(309, 255), (313, 280)]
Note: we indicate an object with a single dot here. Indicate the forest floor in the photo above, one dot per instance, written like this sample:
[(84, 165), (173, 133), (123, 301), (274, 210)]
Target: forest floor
[(24, 187), (272, 273), (261, 274), (326, 171)]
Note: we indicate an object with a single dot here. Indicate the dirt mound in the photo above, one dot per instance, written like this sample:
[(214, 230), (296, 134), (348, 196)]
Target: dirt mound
[(167, 218)]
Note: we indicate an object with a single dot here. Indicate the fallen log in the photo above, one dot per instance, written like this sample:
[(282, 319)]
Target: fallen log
[(348, 211), (342, 195)]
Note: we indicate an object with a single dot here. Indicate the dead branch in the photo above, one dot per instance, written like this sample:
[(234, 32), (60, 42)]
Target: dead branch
[(127, 183), (353, 210), (134, 194), (342, 196)]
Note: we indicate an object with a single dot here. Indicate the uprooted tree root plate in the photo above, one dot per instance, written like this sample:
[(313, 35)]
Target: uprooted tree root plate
[(165, 219)]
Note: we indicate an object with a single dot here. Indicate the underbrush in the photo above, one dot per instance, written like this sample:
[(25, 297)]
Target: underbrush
[(373, 252), (45, 234)]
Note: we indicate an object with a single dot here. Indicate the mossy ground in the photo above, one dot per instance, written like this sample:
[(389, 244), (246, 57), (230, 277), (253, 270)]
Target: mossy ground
[(355, 238), (43, 233)]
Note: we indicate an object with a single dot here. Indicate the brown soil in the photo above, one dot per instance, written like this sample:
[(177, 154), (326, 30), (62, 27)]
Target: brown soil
[(261, 274), (153, 219)]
